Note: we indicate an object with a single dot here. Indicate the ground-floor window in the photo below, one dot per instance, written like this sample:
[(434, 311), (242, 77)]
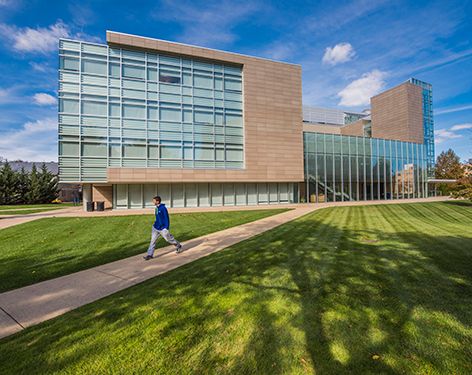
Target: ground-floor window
[(205, 194)]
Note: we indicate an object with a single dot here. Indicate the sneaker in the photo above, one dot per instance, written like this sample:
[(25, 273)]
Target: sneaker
[(148, 257), (179, 249)]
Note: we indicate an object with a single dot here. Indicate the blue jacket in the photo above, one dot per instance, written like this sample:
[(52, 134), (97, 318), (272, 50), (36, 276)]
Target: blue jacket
[(162, 217)]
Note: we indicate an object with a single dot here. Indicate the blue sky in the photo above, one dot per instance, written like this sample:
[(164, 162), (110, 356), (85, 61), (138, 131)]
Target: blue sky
[(348, 50)]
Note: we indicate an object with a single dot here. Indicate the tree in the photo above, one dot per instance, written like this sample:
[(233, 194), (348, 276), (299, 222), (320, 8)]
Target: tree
[(8, 185), (462, 188), (448, 166), (22, 186), (33, 195), (48, 183)]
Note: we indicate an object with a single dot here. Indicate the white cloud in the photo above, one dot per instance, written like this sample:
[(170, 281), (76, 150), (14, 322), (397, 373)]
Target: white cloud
[(334, 15), (461, 126), (360, 91), (463, 108), (35, 141), (280, 51), (44, 67), (443, 133), (41, 39), (11, 95), (340, 53), (44, 99), (210, 25)]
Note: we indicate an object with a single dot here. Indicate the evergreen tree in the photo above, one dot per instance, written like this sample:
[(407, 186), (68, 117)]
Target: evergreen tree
[(33, 195), (48, 183), (22, 187), (448, 166), (8, 185)]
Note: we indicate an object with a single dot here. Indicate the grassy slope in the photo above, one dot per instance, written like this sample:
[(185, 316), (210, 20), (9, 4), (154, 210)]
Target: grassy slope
[(312, 296), (48, 248)]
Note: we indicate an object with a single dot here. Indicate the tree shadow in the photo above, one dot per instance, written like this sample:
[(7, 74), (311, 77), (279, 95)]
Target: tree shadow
[(308, 295)]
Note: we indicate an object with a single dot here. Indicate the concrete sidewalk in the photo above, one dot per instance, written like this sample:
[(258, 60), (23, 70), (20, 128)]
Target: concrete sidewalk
[(24, 307)]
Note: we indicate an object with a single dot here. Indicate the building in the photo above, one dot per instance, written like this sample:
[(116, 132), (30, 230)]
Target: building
[(199, 127)]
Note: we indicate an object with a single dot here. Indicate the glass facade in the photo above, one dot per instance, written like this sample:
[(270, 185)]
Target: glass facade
[(346, 168), (121, 108), (428, 122), (204, 194)]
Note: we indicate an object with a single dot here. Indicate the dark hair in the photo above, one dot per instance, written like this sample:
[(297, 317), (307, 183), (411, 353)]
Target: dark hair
[(157, 198)]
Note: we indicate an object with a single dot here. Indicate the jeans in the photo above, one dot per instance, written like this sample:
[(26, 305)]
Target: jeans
[(165, 234)]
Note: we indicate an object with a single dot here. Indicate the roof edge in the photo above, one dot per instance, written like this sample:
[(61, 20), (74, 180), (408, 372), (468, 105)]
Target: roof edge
[(190, 45)]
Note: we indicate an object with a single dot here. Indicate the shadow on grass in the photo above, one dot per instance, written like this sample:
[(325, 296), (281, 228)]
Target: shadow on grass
[(307, 295), (50, 248)]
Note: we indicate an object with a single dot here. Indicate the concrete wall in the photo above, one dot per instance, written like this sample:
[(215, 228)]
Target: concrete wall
[(397, 114), (273, 127), (103, 193)]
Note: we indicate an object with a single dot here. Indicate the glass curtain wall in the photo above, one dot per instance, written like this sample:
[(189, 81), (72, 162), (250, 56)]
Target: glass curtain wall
[(121, 108), (204, 195), (347, 168), (428, 123)]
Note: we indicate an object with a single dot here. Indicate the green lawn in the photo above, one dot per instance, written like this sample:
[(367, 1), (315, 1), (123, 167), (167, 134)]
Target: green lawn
[(48, 248), (27, 212), (324, 294), (35, 206)]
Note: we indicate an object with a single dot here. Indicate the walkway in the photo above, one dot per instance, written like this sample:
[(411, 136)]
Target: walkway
[(24, 307)]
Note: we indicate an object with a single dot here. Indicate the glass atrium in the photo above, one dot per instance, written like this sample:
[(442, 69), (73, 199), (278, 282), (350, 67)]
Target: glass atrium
[(347, 168)]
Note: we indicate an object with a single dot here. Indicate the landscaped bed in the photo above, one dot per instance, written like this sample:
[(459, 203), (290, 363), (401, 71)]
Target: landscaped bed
[(381, 289)]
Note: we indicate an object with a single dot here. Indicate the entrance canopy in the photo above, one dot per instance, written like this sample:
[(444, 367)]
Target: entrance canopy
[(440, 181)]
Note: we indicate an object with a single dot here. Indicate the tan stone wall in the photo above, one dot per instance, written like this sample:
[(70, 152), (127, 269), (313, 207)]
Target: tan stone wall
[(103, 193), (273, 127), (397, 114), (355, 128), (320, 128)]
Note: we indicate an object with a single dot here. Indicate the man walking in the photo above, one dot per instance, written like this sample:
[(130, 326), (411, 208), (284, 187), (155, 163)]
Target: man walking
[(161, 228)]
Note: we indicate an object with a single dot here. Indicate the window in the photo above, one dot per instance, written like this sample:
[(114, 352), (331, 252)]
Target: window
[(94, 149), (95, 67), (134, 111), (69, 63), (168, 114), (114, 70), (171, 152), (203, 81), (68, 106), (94, 108), (233, 85), (133, 71), (68, 149), (169, 76), (134, 151)]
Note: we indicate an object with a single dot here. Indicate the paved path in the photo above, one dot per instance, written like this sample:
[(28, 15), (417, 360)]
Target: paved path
[(24, 307)]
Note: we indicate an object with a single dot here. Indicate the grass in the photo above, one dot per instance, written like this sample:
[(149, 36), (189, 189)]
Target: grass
[(35, 206), (27, 212), (48, 248), (324, 294)]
